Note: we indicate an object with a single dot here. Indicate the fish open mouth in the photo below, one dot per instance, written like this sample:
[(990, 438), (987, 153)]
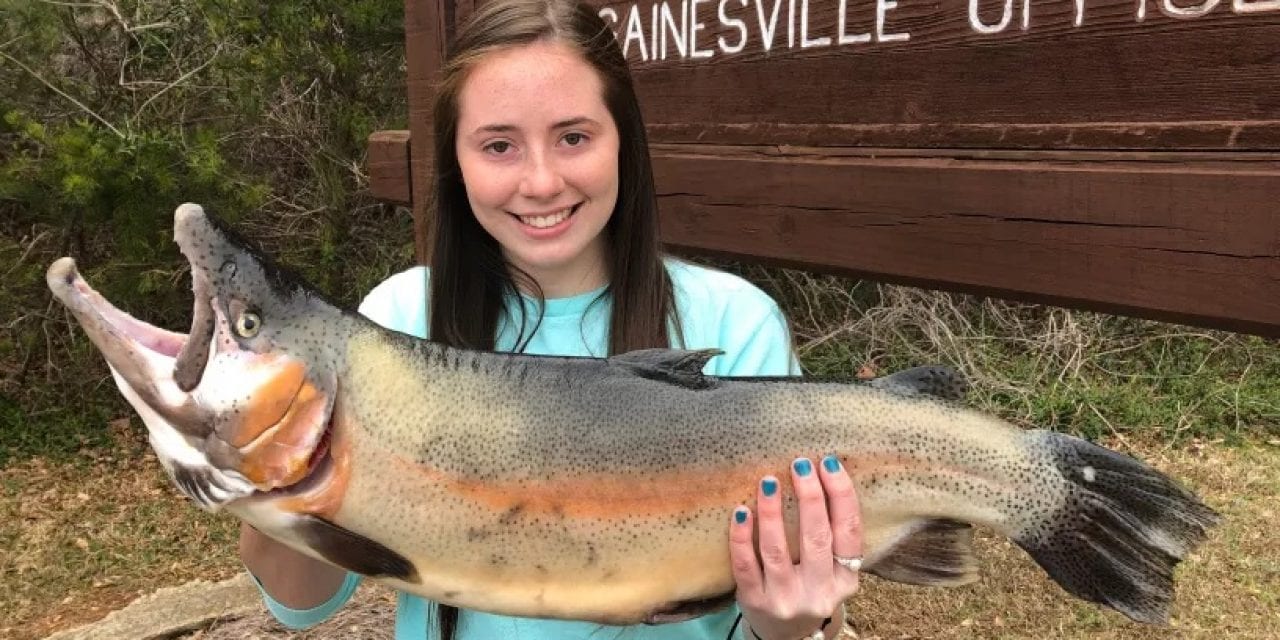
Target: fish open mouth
[(181, 423), (79, 296), (140, 353)]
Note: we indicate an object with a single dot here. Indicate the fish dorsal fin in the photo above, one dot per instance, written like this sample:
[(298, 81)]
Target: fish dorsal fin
[(676, 366), (938, 554), (937, 381)]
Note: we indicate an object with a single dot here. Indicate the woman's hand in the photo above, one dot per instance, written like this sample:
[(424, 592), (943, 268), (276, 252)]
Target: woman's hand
[(782, 600)]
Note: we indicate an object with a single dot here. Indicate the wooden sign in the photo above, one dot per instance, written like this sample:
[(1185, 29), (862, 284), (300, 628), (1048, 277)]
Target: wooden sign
[(1115, 155)]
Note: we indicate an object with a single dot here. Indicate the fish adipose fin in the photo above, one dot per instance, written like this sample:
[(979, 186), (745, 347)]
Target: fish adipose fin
[(937, 381), (352, 551), (1123, 529), (939, 554), (676, 366)]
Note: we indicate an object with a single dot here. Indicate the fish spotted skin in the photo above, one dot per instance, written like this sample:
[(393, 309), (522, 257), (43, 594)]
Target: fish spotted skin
[(601, 489)]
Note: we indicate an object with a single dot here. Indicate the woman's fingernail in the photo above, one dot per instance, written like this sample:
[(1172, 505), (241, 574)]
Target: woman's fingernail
[(831, 463), (740, 515), (769, 486), (803, 467)]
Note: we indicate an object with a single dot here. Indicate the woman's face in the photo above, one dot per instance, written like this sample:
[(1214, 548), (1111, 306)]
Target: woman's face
[(538, 150)]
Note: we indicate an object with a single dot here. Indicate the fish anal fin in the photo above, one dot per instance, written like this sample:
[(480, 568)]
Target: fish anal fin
[(935, 380), (676, 366), (938, 554), (352, 551), (688, 609)]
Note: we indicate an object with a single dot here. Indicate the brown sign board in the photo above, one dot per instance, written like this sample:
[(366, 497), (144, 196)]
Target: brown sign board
[(1113, 155)]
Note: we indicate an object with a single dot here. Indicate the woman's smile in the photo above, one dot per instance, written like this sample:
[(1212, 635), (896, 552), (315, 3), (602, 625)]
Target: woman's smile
[(548, 223)]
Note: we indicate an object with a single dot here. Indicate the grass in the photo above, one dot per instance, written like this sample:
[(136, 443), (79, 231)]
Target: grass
[(86, 535)]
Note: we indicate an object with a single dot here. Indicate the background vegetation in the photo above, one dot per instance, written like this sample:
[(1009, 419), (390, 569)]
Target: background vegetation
[(114, 111)]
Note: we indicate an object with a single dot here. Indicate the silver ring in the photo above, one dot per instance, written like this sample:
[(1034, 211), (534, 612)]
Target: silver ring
[(853, 564)]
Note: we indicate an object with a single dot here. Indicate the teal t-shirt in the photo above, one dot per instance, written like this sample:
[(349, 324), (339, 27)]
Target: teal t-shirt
[(715, 309)]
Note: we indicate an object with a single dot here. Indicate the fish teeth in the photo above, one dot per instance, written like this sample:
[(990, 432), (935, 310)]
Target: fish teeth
[(542, 222)]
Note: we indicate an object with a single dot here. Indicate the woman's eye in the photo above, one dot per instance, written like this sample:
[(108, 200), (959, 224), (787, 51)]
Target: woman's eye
[(499, 147), (248, 324), (574, 139)]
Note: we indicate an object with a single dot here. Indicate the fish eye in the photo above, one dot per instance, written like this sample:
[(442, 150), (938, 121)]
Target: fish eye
[(247, 324)]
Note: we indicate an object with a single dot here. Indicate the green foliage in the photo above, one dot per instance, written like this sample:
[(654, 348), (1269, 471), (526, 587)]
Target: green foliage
[(112, 114)]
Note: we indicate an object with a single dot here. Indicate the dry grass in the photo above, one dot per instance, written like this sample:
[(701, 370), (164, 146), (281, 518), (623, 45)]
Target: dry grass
[(87, 538), (1230, 588)]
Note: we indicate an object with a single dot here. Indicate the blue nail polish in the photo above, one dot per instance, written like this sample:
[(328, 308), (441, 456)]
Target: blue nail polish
[(831, 463), (769, 487), (740, 515), (803, 467)]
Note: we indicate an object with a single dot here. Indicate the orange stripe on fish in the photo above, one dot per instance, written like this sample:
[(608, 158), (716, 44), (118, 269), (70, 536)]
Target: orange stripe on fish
[(613, 495)]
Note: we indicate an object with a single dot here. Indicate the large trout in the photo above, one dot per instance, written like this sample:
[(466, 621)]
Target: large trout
[(583, 488)]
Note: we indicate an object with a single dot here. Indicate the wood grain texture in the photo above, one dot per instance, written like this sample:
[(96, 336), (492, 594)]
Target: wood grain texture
[(1111, 83), (390, 176), (426, 26), (1194, 242)]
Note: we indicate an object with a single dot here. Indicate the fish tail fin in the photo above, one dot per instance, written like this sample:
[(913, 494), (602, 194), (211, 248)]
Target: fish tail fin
[(1122, 529)]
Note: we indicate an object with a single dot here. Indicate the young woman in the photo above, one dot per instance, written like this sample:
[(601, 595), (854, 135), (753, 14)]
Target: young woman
[(546, 242)]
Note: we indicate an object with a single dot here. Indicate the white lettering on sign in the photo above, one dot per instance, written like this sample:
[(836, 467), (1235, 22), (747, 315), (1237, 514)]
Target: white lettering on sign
[(1173, 11), (1006, 16), (1245, 6), (883, 6), (684, 28), (805, 42), (696, 25), (845, 38), (766, 32), (981, 27), (737, 24)]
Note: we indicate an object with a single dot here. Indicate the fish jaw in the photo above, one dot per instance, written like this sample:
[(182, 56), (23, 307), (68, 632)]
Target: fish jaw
[(254, 422), (141, 357)]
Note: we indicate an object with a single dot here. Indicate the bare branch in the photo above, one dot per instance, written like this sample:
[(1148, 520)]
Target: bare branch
[(62, 93), (217, 50)]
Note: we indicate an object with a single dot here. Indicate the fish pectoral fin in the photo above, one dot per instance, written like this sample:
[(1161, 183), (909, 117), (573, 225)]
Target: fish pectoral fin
[(936, 381), (688, 609), (352, 551), (939, 554), (676, 366)]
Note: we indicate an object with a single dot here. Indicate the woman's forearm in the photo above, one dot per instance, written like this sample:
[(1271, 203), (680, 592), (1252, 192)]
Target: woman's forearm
[(293, 579)]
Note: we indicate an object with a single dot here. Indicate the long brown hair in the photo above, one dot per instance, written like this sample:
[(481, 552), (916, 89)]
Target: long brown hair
[(469, 276)]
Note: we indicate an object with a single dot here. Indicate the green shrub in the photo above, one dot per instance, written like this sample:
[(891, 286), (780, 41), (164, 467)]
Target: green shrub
[(112, 114)]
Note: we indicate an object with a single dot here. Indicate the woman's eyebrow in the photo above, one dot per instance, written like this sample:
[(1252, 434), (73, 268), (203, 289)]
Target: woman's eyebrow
[(571, 122), (562, 124)]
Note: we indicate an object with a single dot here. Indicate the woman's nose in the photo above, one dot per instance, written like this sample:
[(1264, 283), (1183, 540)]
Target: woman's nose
[(541, 178)]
